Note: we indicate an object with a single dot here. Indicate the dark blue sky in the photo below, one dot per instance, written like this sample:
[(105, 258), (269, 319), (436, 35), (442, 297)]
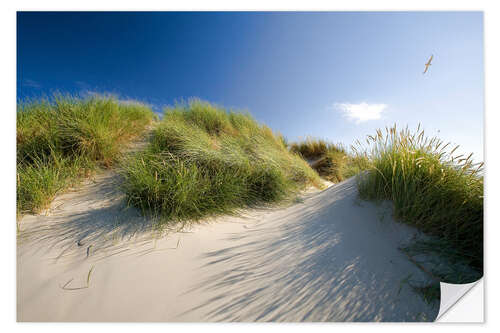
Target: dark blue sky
[(332, 75)]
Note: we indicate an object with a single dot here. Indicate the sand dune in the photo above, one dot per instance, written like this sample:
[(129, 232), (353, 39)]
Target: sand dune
[(327, 257)]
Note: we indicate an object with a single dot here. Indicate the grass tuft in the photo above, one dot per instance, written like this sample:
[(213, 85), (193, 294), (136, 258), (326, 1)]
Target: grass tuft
[(64, 139), (203, 160), (331, 161), (433, 190)]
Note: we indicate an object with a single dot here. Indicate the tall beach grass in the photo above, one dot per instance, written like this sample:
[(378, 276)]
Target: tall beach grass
[(204, 160), (64, 138), (431, 188)]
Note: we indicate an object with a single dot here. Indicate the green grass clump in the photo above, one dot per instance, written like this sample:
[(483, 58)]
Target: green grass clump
[(203, 160), (312, 149), (331, 161), (63, 139), (431, 189)]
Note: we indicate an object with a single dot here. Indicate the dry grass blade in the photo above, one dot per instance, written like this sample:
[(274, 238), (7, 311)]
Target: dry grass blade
[(65, 286)]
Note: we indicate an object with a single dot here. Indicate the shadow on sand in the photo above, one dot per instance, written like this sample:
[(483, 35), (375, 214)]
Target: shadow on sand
[(329, 258), (100, 224), (319, 261)]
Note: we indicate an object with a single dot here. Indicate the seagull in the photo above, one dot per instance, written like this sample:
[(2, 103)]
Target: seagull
[(428, 64)]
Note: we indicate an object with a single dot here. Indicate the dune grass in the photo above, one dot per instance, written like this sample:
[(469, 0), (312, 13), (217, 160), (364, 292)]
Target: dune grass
[(331, 161), (63, 139), (432, 189), (203, 160), (312, 148)]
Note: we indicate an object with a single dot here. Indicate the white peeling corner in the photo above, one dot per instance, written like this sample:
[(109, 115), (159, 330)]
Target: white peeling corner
[(460, 304)]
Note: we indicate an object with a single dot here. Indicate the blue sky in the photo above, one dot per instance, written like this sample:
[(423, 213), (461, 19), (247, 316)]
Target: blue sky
[(337, 76)]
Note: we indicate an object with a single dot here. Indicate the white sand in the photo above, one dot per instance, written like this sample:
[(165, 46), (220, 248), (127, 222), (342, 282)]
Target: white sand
[(330, 257)]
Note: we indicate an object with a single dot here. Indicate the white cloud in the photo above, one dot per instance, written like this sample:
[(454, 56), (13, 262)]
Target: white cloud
[(361, 112)]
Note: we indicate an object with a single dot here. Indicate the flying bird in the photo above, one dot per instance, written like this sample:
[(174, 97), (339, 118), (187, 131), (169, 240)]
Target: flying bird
[(428, 64)]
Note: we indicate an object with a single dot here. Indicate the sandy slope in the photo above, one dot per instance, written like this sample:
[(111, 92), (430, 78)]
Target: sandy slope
[(329, 257)]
